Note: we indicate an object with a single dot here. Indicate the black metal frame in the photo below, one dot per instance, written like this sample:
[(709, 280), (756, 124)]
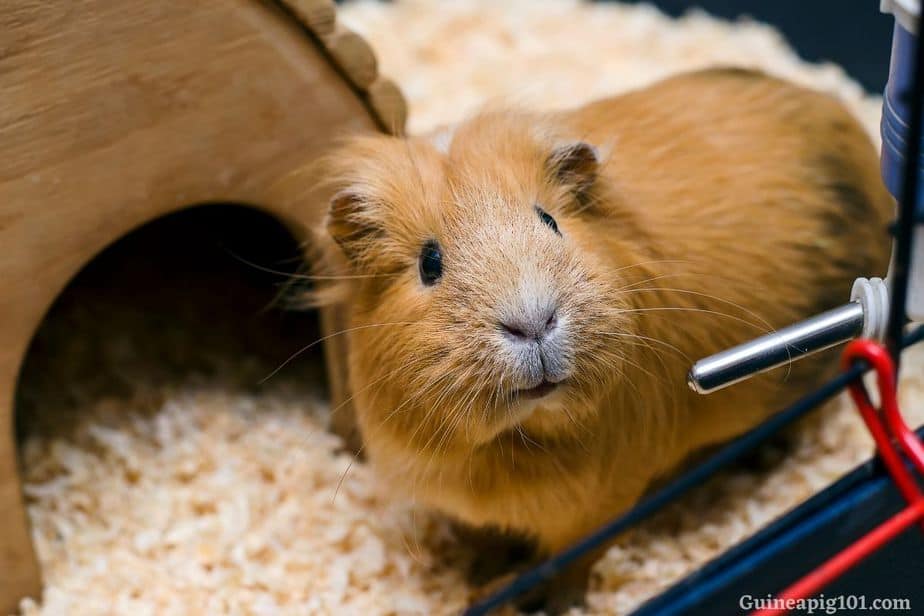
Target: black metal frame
[(803, 539)]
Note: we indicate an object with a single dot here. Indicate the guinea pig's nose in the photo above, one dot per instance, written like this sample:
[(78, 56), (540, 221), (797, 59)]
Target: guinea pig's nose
[(528, 329)]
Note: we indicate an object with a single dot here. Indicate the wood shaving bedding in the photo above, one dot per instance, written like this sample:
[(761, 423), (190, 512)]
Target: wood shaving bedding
[(203, 496)]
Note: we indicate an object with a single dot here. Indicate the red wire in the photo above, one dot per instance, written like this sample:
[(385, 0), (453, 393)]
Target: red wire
[(884, 368), (893, 430)]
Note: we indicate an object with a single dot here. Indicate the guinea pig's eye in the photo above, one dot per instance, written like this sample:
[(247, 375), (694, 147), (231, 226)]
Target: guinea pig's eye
[(546, 218), (431, 263)]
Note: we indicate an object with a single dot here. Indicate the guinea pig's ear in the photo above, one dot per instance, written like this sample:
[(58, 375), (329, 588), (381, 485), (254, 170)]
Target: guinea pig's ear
[(574, 164), (350, 221)]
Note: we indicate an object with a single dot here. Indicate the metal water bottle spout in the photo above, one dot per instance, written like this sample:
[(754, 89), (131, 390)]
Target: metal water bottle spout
[(865, 315)]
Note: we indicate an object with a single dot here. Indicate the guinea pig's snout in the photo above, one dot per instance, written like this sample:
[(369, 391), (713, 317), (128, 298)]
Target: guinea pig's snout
[(532, 332), (530, 327)]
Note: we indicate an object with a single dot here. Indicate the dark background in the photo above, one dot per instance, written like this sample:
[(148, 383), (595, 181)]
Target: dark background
[(851, 33)]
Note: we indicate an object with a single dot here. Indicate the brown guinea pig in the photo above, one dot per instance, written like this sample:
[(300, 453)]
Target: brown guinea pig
[(527, 291)]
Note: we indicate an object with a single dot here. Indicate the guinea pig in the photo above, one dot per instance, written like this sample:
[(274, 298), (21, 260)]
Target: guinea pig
[(525, 292)]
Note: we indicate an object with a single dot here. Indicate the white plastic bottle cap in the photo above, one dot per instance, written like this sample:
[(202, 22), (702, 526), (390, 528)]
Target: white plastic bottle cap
[(873, 295), (906, 12)]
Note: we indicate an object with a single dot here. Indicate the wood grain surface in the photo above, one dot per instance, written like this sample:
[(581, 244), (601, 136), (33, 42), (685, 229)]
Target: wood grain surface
[(114, 113)]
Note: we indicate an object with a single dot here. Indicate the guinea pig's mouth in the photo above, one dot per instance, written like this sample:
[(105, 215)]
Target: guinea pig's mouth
[(539, 391)]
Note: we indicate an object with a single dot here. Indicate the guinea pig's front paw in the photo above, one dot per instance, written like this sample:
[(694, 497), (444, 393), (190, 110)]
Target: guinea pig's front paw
[(555, 597), (496, 554), (483, 591)]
